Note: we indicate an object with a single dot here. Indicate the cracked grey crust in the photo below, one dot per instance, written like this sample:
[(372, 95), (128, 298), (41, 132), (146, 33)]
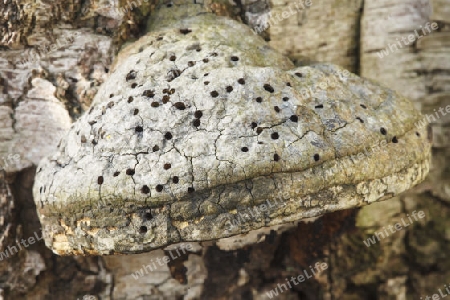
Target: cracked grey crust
[(202, 121)]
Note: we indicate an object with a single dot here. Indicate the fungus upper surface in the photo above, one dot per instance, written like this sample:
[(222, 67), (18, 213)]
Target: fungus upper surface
[(201, 122)]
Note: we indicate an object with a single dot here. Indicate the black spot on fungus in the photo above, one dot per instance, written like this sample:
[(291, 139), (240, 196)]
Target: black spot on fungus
[(198, 114), (294, 118), (360, 120), (148, 215), (285, 98), (299, 74), (134, 85), (130, 172), (148, 93), (206, 82), (165, 91), (288, 84), (198, 49), (167, 166), (244, 149), (175, 179), (165, 99), (205, 60), (83, 139), (254, 125), (363, 106), (110, 104), (316, 157), (214, 54), (234, 58), (268, 88), (116, 173), (206, 74), (136, 111), (145, 189), (111, 95), (196, 123), (395, 140), (258, 99), (130, 99), (155, 148), (276, 157), (159, 188), (318, 106), (100, 179), (159, 38), (142, 229), (383, 131), (173, 58), (418, 134), (180, 105), (229, 89), (276, 108), (131, 75), (168, 136), (139, 129), (241, 81), (191, 63), (154, 104), (191, 190), (185, 30), (259, 130), (214, 94), (274, 136), (169, 5)]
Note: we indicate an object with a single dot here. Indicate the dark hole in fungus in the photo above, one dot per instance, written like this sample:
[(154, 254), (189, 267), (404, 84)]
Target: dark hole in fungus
[(185, 30), (165, 99), (100, 180), (360, 120), (294, 118), (214, 54), (299, 74), (165, 91), (168, 136), (116, 173), (136, 111), (167, 166), (205, 60), (319, 106), (130, 99), (154, 104), (268, 88), (142, 229), (214, 94), (198, 114), (229, 89), (288, 84), (285, 98), (418, 134), (259, 130), (155, 148), (180, 105), (130, 172), (139, 129), (148, 215), (131, 75), (259, 99), (244, 149), (276, 108), (274, 136), (40, 190), (276, 157), (395, 140), (111, 95), (148, 93), (363, 106), (206, 82), (254, 125), (383, 131), (159, 38), (173, 58), (191, 190), (196, 123), (175, 179), (191, 63), (145, 189), (206, 74), (134, 85), (159, 188), (234, 58), (241, 81), (198, 49), (83, 139), (316, 157)]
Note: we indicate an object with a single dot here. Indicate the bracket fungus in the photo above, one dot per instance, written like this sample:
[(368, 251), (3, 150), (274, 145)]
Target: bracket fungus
[(201, 121)]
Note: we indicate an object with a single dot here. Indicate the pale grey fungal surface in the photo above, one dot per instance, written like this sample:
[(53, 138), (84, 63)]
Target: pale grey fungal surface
[(201, 122)]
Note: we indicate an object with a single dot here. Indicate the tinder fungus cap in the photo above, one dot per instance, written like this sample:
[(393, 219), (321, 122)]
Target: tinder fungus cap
[(202, 121)]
